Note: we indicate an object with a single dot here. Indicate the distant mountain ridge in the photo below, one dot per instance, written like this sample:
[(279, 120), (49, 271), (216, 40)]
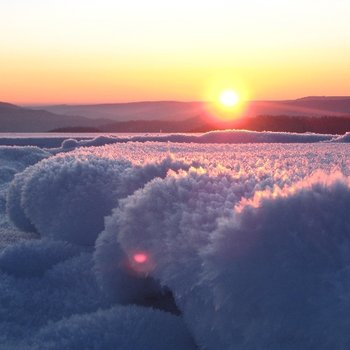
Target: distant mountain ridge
[(18, 119), (7, 105), (310, 98), (313, 106), (171, 116), (152, 110), (307, 106)]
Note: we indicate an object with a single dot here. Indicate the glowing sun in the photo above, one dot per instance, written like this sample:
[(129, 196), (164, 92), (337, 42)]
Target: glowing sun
[(228, 98)]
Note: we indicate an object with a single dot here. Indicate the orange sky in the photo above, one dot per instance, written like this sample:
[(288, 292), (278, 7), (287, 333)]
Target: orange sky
[(110, 51)]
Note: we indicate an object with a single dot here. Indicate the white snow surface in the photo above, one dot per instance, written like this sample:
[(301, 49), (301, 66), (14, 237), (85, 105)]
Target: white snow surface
[(166, 245), (59, 143)]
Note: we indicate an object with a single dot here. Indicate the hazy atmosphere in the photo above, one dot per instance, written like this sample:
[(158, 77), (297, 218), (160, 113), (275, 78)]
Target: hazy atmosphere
[(116, 51)]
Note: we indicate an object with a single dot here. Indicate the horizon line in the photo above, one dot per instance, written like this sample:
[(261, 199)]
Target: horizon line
[(162, 101)]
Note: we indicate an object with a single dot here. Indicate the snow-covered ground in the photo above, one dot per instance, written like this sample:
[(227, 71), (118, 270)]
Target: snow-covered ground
[(175, 242)]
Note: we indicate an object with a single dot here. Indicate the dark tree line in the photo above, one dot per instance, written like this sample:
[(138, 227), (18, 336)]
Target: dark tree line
[(322, 125), (298, 124)]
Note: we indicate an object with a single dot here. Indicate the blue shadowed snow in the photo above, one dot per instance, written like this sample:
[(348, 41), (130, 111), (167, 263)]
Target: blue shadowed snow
[(163, 245)]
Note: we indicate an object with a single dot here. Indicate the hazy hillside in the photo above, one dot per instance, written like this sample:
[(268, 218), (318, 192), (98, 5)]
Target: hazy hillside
[(170, 116), (171, 110), (18, 119), (187, 125), (313, 106), (161, 110)]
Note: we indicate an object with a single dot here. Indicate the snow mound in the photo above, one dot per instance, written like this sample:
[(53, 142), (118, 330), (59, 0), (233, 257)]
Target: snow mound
[(69, 144), (65, 289), (246, 246), (158, 210), (120, 327), (19, 158), (67, 197), (220, 136), (32, 258), (169, 219), (119, 282), (275, 265), (13, 161), (6, 175), (9, 236), (254, 274), (342, 138), (14, 205)]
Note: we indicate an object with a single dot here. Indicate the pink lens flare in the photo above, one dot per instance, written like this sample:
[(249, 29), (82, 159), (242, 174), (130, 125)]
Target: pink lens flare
[(140, 258)]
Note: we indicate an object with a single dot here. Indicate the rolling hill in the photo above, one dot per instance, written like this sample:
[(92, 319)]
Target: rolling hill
[(171, 116), (19, 119), (313, 106)]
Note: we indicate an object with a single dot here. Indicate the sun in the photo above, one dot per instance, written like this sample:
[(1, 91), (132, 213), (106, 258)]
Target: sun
[(228, 98)]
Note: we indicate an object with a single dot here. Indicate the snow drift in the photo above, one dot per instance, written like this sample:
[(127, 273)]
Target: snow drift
[(122, 328), (13, 160), (181, 208), (14, 206), (18, 158), (264, 274), (59, 143), (275, 265), (342, 138), (247, 246), (37, 256), (222, 136), (67, 197)]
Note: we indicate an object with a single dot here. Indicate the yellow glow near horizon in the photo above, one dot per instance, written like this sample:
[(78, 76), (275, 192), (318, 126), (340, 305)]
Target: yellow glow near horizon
[(227, 99), (89, 51)]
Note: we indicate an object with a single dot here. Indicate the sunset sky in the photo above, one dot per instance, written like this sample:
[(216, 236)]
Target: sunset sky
[(114, 51)]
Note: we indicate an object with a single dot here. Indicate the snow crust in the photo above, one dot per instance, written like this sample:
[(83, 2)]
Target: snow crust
[(56, 143), (164, 245)]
